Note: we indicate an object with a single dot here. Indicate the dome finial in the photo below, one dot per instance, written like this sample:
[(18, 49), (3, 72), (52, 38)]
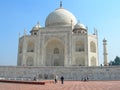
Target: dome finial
[(95, 31), (60, 4), (25, 31), (37, 25)]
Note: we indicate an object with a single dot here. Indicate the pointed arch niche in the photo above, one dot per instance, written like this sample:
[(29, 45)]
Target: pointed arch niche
[(54, 53), (79, 46), (92, 47), (30, 46)]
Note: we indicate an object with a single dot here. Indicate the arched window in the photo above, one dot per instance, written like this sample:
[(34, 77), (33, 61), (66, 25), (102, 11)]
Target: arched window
[(56, 51), (92, 47), (29, 61), (79, 46), (30, 46)]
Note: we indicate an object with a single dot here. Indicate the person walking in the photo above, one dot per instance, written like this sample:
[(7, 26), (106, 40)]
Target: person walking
[(56, 77), (62, 79)]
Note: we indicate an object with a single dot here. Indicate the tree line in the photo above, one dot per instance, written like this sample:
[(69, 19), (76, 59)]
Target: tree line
[(115, 62)]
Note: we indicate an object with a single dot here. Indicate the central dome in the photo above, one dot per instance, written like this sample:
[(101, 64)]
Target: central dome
[(60, 17)]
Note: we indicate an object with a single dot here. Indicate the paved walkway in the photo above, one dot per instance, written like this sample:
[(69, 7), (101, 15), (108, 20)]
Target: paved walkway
[(68, 85)]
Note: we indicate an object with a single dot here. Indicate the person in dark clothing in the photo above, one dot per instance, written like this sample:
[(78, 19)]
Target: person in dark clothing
[(34, 78), (87, 78), (62, 79)]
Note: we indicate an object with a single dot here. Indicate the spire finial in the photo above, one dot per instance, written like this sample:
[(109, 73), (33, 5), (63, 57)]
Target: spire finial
[(60, 4), (95, 31), (38, 24), (86, 27), (25, 32)]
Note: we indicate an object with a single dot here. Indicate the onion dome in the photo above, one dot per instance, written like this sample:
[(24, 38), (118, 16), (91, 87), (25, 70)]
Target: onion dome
[(79, 26), (60, 17), (35, 29)]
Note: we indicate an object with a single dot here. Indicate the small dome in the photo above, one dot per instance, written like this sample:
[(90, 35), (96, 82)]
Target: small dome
[(79, 26), (36, 27), (60, 17)]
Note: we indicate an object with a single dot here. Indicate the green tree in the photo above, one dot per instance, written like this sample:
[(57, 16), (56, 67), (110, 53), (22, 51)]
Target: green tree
[(116, 61)]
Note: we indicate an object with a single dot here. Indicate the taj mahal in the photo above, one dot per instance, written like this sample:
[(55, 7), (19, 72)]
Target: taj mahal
[(62, 42), (62, 47)]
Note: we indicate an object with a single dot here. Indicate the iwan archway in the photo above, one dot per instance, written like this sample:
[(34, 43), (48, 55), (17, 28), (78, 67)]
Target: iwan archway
[(54, 53)]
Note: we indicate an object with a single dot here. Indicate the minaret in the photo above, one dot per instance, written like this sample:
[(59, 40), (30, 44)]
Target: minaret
[(105, 54)]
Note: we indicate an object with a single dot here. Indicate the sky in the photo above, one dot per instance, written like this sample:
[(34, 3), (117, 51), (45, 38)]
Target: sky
[(17, 15)]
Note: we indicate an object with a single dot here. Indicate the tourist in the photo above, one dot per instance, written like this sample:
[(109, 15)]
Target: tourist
[(62, 79), (87, 78), (34, 78), (56, 77)]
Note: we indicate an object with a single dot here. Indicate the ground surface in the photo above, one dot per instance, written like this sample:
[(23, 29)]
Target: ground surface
[(68, 85)]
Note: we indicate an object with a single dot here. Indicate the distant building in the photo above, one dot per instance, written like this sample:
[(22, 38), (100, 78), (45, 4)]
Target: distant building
[(62, 42)]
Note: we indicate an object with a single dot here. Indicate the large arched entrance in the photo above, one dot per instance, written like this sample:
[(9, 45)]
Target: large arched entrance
[(54, 53)]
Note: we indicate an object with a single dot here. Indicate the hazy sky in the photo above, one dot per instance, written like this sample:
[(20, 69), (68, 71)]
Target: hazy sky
[(17, 15)]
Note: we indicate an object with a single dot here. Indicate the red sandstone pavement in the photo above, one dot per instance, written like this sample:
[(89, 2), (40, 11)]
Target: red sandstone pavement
[(68, 85)]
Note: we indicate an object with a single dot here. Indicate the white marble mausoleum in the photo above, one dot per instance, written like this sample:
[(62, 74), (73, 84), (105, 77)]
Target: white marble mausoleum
[(61, 42)]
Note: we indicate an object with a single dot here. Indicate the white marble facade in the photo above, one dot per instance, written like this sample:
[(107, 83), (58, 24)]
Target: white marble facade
[(62, 42)]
